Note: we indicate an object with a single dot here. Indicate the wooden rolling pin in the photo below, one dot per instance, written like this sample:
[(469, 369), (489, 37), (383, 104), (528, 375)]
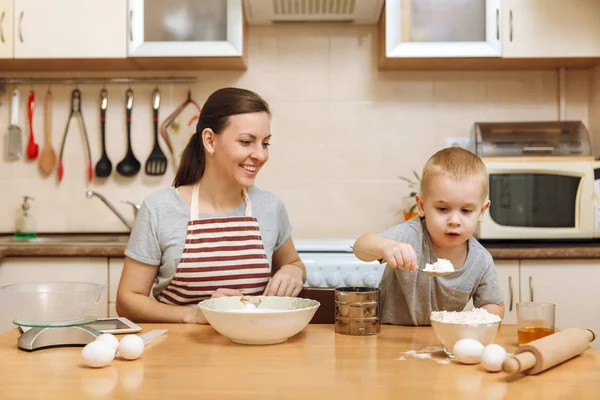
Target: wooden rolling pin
[(544, 353)]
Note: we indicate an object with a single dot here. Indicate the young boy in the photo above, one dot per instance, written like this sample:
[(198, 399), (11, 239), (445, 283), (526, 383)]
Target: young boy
[(451, 202)]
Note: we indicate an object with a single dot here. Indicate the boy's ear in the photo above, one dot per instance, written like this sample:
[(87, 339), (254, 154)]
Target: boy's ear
[(420, 205), (486, 205)]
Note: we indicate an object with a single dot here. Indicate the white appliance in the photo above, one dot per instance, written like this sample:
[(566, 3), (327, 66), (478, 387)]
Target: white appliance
[(542, 181), (331, 263), (266, 12)]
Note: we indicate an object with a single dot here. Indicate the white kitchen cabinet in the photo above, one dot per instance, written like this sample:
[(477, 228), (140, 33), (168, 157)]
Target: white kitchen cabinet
[(6, 28), (551, 28), (115, 268), (452, 28), (508, 278), (570, 284), (52, 269), (69, 29), (185, 28)]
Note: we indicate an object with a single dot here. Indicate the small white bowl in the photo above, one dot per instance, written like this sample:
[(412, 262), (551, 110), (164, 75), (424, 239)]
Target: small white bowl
[(274, 321)]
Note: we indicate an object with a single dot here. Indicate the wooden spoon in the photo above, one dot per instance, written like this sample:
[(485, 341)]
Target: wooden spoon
[(48, 156)]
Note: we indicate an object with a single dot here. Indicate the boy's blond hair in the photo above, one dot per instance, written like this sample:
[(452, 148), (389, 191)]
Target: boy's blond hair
[(457, 163)]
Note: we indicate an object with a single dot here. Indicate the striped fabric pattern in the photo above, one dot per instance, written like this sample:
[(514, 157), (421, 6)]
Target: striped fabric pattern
[(225, 252)]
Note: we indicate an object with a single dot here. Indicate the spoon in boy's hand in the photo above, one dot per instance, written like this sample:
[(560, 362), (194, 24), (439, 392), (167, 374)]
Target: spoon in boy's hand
[(436, 273), (379, 259), (435, 270), (425, 271)]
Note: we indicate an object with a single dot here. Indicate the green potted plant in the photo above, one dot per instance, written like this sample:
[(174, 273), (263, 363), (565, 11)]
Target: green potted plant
[(415, 184)]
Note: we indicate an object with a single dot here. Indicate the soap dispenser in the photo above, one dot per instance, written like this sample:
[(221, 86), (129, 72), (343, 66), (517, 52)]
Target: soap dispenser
[(25, 222)]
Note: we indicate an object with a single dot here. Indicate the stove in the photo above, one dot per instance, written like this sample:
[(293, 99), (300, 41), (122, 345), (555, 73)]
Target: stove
[(330, 263)]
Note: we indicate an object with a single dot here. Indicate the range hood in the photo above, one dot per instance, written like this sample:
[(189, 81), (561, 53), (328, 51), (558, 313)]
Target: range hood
[(266, 12)]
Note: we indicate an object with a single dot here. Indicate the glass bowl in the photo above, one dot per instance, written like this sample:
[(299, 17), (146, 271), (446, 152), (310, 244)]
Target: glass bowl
[(51, 303), (450, 333)]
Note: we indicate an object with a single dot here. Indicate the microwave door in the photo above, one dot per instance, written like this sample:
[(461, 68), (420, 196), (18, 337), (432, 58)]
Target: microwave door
[(534, 200)]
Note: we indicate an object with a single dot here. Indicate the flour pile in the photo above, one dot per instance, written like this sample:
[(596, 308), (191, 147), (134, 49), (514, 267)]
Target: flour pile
[(474, 317), (425, 354), (441, 265)]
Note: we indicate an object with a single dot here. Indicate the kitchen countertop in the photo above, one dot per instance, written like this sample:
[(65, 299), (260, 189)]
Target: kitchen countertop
[(316, 363), (62, 250), (499, 250), (510, 250)]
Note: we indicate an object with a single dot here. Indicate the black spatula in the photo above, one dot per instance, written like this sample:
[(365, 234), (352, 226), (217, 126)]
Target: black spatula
[(156, 164)]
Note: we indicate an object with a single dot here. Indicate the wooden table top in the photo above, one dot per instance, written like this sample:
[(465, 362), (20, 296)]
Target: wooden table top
[(193, 360)]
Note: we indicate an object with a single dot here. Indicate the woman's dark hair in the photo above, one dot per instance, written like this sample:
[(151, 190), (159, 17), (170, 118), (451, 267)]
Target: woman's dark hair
[(215, 115)]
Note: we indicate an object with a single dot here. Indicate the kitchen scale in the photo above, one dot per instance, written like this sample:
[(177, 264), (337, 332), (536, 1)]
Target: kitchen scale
[(53, 314), (74, 333)]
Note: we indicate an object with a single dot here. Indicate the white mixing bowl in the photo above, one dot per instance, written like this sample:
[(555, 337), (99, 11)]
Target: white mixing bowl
[(274, 321)]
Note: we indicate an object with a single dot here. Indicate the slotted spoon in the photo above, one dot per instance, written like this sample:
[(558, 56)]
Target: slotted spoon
[(156, 164)]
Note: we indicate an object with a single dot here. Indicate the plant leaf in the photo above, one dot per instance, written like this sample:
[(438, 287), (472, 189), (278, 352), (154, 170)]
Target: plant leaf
[(412, 194), (412, 208), (417, 176), (406, 179)]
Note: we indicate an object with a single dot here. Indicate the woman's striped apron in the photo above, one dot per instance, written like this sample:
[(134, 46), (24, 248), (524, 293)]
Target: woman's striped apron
[(220, 252)]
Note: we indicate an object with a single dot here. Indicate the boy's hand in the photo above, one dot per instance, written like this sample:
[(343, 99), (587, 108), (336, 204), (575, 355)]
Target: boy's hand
[(400, 255)]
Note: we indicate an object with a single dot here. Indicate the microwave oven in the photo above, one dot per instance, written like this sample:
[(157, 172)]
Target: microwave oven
[(536, 198)]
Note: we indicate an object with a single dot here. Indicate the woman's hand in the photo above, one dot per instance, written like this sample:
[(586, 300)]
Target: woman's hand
[(287, 281)]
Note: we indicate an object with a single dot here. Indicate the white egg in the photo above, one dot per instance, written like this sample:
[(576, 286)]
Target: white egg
[(467, 351), (131, 347), (492, 357), (97, 354), (110, 339)]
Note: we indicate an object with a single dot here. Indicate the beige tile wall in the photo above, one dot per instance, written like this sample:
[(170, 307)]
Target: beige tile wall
[(594, 108), (343, 130)]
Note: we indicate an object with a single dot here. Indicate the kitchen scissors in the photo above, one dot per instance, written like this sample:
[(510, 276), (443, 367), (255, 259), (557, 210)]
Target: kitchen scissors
[(75, 111)]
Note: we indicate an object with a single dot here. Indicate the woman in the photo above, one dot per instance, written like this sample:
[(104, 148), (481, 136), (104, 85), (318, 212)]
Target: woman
[(213, 233)]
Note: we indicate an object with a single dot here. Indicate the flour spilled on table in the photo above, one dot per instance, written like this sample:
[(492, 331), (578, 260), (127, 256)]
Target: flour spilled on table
[(425, 353)]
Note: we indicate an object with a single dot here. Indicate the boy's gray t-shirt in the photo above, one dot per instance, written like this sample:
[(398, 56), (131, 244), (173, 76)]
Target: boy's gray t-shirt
[(160, 229), (408, 298)]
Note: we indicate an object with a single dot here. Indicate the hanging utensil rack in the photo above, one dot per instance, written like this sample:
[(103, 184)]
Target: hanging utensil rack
[(92, 80)]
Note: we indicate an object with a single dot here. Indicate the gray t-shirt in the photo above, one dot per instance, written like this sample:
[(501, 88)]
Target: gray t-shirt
[(408, 298), (160, 228)]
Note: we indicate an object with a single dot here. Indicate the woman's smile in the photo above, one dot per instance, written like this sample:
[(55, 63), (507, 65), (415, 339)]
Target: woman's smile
[(252, 169)]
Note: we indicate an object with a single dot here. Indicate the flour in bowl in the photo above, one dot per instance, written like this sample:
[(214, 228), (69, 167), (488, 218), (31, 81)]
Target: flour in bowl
[(441, 265), (473, 317), (253, 310)]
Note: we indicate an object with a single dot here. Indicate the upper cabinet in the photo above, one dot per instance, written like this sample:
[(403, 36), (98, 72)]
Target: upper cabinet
[(186, 28), (484, 34), (551, 28), (38, 35), (6, 28), (450, 28), (64, 29)]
